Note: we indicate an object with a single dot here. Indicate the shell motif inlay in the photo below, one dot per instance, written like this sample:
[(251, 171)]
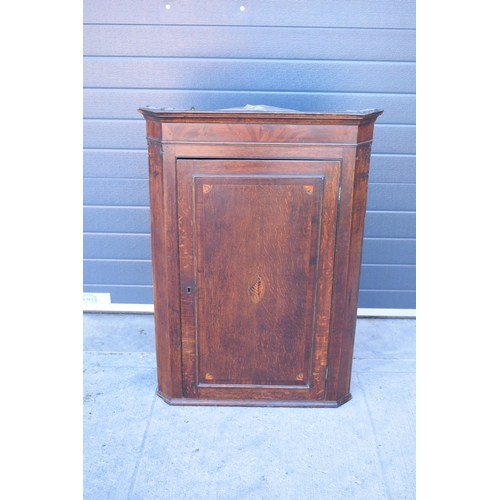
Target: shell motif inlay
[(206, 188), (256, 288)]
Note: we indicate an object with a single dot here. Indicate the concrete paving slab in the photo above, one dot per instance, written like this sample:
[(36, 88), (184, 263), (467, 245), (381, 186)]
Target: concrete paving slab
[(384, 338), (117, 408), (123, 359), (119, 332), (390, 398), (224, 453), (390, 365), (138, 447)]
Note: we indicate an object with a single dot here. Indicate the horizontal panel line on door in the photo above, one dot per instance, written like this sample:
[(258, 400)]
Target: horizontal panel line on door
[(391, 211), (112, 149), (107, 285), (389, 265), (124, 178), (115, 260), (253, 59), (117, 206), (372, 238), (372, 183), (104, 233), (298, 26), (239, 91)]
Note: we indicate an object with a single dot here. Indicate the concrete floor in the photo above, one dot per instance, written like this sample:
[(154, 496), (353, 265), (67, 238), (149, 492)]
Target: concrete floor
[(138, 447)]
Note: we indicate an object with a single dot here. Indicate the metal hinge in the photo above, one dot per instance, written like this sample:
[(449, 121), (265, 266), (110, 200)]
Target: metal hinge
[(340, 189), (326, 373)]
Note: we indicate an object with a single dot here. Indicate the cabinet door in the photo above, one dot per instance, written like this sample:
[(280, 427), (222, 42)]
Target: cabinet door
[(256, 254)]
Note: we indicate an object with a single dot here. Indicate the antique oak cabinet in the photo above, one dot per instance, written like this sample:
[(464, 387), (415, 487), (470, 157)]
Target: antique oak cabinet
[(257, 218)]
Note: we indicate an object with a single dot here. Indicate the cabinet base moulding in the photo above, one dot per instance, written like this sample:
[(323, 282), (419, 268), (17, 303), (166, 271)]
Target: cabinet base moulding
[(253, 402)]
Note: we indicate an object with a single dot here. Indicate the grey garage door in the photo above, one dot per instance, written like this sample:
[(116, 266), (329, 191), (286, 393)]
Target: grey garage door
[(319, 55)]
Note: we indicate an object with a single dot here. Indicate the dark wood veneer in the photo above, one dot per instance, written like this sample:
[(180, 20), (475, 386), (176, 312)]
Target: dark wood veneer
[(256, 226)]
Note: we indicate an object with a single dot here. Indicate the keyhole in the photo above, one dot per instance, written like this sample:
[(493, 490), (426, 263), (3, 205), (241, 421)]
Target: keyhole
[(188, 289)]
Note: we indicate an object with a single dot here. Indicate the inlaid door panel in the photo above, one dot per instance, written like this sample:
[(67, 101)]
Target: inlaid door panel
[(256, 247)]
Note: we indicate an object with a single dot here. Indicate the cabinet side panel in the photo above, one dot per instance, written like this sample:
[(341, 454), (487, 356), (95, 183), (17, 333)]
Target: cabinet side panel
[(360, 192), (163, 194), (365, 132), (153, 129), (348, 264), (160, 275)]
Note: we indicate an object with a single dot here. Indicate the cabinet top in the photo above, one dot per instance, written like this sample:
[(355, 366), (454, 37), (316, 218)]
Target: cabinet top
[(260, 114)]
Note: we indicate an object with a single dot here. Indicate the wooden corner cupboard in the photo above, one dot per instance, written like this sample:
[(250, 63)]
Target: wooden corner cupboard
[(257, 219)]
